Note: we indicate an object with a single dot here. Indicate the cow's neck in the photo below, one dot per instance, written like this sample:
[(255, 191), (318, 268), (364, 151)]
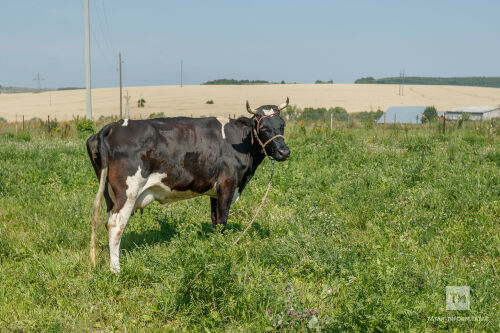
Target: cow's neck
[(255, 156), (257, 152)]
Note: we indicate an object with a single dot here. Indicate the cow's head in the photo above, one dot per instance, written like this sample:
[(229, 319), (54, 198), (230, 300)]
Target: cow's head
[(269, 127)]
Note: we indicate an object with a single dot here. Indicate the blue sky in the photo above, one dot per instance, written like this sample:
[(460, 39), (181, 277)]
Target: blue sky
[(295, 41)]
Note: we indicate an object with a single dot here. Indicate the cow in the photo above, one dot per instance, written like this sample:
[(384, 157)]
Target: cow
[(169, 159)]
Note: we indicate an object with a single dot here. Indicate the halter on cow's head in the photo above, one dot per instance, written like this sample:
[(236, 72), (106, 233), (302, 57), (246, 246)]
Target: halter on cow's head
[(268, 130)]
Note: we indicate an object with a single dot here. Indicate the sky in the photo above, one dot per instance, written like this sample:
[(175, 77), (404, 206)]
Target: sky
[(295, 41)]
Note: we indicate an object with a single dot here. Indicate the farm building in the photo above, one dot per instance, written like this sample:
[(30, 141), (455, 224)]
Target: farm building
[(475, 112), (403, 115)]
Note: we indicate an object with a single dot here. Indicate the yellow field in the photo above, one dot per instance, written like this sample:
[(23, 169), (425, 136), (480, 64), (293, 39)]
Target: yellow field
[(230, 100)]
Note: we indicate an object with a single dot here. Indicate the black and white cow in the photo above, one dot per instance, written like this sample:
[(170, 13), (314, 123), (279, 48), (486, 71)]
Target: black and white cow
[(170, 159)]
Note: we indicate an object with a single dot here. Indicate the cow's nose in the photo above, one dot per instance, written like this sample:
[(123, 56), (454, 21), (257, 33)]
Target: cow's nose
[(284, 153)]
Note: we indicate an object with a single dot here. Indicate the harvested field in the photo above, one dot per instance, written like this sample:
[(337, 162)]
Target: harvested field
[(230, 100)]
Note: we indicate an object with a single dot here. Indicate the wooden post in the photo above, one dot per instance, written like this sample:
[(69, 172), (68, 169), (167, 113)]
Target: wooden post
[(331, 120), (444, 123), (23, 122), (48, 124), (16, 124), (384, 123)]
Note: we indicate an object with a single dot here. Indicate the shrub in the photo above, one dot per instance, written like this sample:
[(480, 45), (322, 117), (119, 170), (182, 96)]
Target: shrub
[(209, 101), (85, 126), (430, 114), (3, 120), (157, 115)]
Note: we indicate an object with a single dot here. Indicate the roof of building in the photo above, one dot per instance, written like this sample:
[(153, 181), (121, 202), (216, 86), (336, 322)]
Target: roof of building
[(475, 109), (403, 114)]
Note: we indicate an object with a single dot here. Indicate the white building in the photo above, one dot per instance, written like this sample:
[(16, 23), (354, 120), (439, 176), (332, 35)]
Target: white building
[(475, 112)]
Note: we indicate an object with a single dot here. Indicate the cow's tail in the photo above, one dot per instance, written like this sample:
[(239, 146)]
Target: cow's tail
[(96, 212), (98, 152)]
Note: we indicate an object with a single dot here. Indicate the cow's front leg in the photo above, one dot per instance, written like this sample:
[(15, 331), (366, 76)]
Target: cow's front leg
[(213, 211), (225, 192)]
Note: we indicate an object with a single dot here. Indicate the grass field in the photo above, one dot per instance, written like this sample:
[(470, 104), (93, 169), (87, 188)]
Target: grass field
[(361, 232)]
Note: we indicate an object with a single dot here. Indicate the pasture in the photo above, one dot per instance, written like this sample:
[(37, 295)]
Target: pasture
[(361, 232)]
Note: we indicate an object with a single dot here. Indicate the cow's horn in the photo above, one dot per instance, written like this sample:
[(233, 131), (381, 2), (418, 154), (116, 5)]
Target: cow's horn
[(284, 105), (250, 110)]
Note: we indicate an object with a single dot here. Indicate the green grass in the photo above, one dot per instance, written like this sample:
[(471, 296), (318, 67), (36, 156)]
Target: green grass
[(361, 232)]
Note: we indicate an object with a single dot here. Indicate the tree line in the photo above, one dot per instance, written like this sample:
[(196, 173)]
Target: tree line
[(476, 81), (235, 82)]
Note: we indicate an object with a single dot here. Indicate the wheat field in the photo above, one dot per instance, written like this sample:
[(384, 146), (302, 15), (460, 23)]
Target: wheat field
[(230, 100)]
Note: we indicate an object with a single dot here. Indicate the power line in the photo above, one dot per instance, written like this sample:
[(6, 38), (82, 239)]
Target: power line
[(106, 22), (103, 34)]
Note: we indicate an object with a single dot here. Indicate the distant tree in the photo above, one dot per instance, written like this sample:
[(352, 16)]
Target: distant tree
[(430, 114), (368, 79), (234, 82), (282, 81), (323, 82)]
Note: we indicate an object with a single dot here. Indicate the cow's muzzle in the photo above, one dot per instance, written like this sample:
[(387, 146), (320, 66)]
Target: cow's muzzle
[(282, 154)]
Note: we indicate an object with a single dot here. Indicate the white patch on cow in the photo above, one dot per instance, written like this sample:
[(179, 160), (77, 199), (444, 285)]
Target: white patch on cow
[(236, 196), (268, 112), (223, 121), (125, 122), (143, 191)]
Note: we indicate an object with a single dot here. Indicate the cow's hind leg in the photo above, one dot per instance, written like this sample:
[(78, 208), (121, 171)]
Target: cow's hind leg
[(116, 224)]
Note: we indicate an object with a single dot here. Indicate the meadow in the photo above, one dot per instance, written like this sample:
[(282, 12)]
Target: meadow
[(362, 231)]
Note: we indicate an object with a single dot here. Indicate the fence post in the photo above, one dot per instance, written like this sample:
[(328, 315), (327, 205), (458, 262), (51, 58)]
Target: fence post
[(16, 124), (23, 122), (384, 123), (444, 123), (48, 124)]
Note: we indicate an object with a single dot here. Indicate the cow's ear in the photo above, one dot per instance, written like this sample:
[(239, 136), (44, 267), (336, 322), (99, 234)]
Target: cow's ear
[(244, 121)]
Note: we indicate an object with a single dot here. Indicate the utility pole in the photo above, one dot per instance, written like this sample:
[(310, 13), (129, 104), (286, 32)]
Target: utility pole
[(120, 60), (127, 98), (401, 82), (38, 78), (87, 60), (181, 73)]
